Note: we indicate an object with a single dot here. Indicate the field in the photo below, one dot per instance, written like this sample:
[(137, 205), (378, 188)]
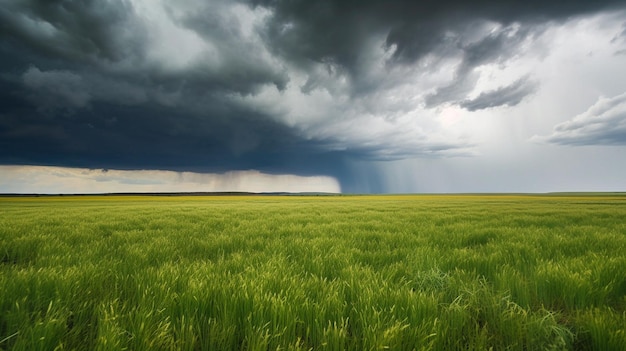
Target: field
[(463, 272)]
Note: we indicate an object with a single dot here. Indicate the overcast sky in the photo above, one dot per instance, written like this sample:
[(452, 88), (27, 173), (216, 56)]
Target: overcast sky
[(298, 95)]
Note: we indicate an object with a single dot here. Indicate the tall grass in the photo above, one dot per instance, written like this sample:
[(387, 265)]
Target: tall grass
[(302, 273)]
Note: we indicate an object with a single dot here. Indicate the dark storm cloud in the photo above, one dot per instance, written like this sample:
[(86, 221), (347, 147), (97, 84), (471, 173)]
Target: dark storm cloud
[(510, 95), (106, 84), (337, 32), (130, 137), (495, 48), (112, 37), (604, 123), (339, 35), (91, 31), (91, 96)]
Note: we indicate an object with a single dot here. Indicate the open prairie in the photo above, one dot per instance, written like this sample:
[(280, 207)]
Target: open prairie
[(457, 272)]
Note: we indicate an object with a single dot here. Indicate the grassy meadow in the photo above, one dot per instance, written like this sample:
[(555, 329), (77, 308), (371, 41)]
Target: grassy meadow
[(463, 272)]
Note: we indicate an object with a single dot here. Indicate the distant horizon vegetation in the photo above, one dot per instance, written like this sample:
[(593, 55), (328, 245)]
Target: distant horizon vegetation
[(286, 193)]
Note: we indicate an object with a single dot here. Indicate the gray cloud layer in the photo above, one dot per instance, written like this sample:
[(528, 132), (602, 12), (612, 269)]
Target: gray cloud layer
[(510, 95), (213, 85), (604, 123), (337, 30)]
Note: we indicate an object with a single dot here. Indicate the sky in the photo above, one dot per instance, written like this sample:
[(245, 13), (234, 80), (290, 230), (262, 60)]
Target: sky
[(364, 96)]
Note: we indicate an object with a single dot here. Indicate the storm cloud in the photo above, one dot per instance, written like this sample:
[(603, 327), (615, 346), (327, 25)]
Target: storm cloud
[(283, 87), (510, 95)]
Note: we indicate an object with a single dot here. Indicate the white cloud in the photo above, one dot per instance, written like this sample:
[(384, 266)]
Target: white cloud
[(604, 123)]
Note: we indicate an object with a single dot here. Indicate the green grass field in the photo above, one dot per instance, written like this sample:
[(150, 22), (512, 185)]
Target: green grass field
[(465, 272)]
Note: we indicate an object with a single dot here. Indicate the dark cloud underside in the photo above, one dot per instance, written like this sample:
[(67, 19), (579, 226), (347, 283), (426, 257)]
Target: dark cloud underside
[(338, 33), (336, 30), (94, 84), (125, 137)]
